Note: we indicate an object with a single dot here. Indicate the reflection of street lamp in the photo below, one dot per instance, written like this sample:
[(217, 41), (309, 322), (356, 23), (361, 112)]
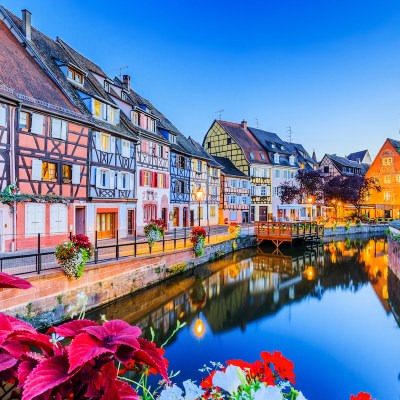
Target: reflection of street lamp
[(310, 273), (198, 328), (199, 197)]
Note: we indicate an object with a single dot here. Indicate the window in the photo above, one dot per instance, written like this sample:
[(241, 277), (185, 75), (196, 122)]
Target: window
[(124, 96), (66, 173), (149, 212), (387, 196), (263, 190), (387, 161), (180, 186), (160, 151), (172, 138), (277, 191), (214, 190), (125, 148), (215, 172), (387, 179), (229, 141), (233, 215), (161, 180), (105, 143), (291, 160), (326, 169), (58, 218), (273, 145), (124, 181), (276, 158), (277, 173), (181, 162), (106, 86), (251, 155), (262, 156), (74, 75), (199, 166), (232, 199), (104, 111), (253, 190), (265, 173), (24, 121), (398, 178), (146, 178), (49, 171), (283, 147), (212, 211), (59, 129), (208, 145), (201, 212), (234, 183), (135, 118)]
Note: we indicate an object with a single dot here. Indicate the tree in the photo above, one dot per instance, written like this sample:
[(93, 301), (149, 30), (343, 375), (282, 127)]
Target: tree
[(288, 192)]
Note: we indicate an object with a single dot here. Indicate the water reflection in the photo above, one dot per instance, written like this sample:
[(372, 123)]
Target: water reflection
[(227, 301)]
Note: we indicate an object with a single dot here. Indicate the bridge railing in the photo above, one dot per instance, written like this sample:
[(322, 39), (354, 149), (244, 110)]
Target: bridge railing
[(288, 229)]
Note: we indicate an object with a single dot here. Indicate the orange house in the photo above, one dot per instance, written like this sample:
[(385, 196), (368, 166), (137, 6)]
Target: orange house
[(386, 169)]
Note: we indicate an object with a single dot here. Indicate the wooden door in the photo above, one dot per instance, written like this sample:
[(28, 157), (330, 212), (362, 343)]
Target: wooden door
[(106, 225)]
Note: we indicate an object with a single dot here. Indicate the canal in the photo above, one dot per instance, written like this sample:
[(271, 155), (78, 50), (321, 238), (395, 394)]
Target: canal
[(327, 308)]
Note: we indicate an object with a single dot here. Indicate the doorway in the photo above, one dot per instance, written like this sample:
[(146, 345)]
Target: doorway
[(263, 213), (185, 217), (191, 217), (245, 217), (164, 214), (131, 222), (176, 217), (80, 220), (252, 213), (105, 224)]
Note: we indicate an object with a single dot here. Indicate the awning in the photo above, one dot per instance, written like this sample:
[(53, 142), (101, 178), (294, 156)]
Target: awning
[(291, 206)]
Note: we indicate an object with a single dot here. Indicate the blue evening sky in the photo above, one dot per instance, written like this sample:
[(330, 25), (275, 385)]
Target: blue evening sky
[(328, 69)]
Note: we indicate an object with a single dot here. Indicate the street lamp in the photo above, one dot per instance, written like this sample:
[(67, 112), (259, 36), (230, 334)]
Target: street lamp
[(199, 197), (310, 200)]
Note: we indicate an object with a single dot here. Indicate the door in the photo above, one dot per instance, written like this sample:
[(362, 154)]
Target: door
[(105, 223), (131, 222), (263, 213), (252, 213), (164, 216), (245, 217), (80, 220), (176, 217), (185, 217)]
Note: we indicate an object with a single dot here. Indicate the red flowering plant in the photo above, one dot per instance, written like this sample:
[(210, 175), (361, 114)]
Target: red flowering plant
[(154, 231), (234, 229), (197, 237), (73, 255)]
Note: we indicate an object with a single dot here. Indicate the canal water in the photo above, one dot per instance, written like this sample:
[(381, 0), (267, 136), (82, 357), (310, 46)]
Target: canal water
[(325, 308)]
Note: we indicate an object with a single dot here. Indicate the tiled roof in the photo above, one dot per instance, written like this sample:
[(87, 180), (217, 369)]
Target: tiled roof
[(343, 162), (24, 77), (302, 155), (229, 168), (395, 144), (246, 140), (199, 151), (51, 51), (359, 155)]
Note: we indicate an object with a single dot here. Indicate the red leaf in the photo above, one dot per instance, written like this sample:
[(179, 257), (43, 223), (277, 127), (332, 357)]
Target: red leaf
[(24, 369), (11, 281), (14, 348), (118, 390), (85, 348), (46, 376), (150, 355), (38, 340), (18, 325), (7, 361), (116, 332), (72, 328)]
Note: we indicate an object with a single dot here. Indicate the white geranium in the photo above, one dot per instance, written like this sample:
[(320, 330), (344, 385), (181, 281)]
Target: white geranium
[(171, 393), (192, 391), (229, 380), (268, 393), (300, 396)]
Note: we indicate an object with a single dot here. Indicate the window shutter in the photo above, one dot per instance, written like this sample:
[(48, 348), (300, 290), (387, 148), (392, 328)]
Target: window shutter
[(56, 128), (131, 182), (111, 177), (166, 181), (93, 176), (98, 140), (119, 181), (3, 115), (164, 152), (76, 174), (98, 178), (36, 170), (112, 145), (64, 128), (37, 124), (116, 116), (154, 179), (143, 146), (141, 178)]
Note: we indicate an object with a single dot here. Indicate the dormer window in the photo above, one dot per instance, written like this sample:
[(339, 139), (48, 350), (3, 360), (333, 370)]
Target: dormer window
[(276, 158), (273, 145), (291, 160), (135, 118), (74, 75), (107, 86), (251, 156), (124, 96), (282, 147), (262, 156), (105, 112), (172, 138)]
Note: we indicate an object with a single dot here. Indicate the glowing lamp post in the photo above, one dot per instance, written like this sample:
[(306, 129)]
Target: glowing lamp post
[(310, 200), (199, 197)]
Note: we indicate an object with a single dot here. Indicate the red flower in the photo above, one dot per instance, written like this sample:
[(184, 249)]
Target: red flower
[(206, 383), (361, 396), (282, 366)]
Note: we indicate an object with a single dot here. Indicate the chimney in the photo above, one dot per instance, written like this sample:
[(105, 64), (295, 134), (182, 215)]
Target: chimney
[(126, 80), (243, 124), (26, 24)]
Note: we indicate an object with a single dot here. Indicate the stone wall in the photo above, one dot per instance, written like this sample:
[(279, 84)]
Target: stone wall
[(356, 230), (53, 295)]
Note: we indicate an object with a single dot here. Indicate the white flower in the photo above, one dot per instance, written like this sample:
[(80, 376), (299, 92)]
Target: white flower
[(229, 380), (192, 391), (81, 297), (55, 338), (300, 396), (171, 393), (268, 393)]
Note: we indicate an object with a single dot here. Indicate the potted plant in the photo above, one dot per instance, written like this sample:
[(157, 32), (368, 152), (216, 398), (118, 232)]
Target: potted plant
[(234, 229), (197, 237), (154, 231), (73, 255)]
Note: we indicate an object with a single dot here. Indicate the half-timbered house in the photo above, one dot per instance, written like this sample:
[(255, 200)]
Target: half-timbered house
[(110, 179), (235, 197), (237, 143), (48, 143), (332, 165)]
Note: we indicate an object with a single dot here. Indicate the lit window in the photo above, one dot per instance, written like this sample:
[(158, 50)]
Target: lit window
[(161, 180), (97, 106), (387, 161), (105, 142), (387, 196), (66, 173), (387, 179), (212, 211), (146, 178), (49, 171)]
